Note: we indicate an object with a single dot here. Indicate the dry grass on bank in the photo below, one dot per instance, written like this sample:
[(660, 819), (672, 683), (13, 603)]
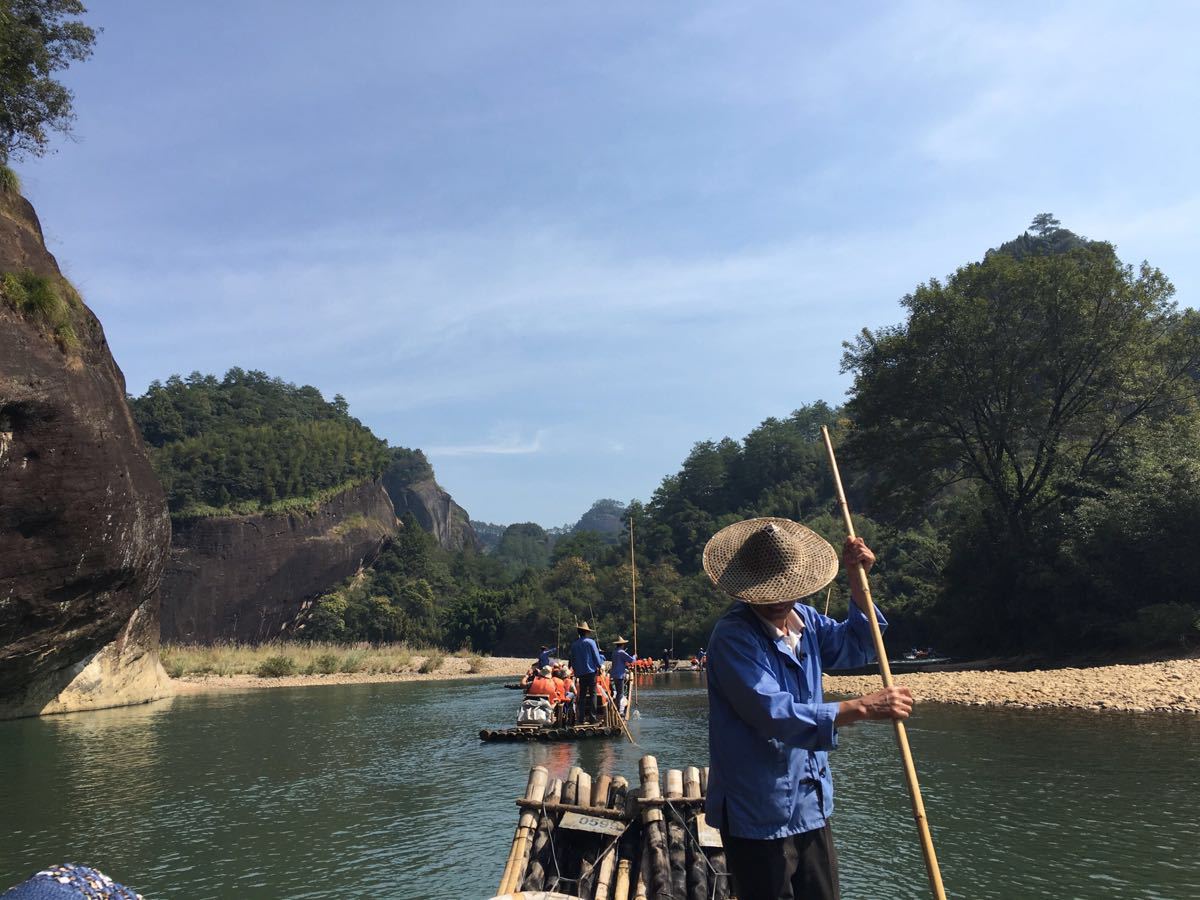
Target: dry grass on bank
[(283, 659)]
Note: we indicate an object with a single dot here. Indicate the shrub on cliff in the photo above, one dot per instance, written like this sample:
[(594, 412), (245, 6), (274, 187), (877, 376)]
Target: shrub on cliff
[(9, 182), (39, 299)]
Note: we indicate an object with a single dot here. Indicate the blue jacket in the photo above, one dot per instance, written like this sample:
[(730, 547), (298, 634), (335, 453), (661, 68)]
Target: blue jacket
[(769, 729), (544, 656), (620, 660), (585, 656)]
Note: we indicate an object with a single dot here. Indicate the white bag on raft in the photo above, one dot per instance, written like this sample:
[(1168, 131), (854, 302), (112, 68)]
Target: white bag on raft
[(535, 710)]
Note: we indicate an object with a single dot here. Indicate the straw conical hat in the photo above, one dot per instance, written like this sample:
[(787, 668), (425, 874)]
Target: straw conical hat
[(620, 640), (769, 560), (583, 626)]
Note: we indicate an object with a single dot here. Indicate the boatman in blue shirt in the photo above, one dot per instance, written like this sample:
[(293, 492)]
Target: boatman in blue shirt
[(769, 728), (586, 660), (620, 659), (544, 656)]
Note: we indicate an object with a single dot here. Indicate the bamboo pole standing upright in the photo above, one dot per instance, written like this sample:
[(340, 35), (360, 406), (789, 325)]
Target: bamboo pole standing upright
[(632, 675), (859, 577)]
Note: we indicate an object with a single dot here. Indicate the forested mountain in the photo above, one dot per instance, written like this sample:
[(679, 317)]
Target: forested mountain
[(489, 534), (244, 442), (530, 589), (410, 482), (606, 517)]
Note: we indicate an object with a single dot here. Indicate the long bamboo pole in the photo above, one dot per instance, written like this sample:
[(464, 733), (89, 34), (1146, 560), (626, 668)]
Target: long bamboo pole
[(616, 715), (633, 592), (858, 576)]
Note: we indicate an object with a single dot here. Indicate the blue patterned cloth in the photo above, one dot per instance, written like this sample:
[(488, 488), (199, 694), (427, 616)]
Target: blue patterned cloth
[(70, 882)]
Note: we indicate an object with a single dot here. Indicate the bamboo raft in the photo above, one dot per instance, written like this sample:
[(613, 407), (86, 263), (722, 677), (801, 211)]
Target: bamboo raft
[(612, 725), (599, 839)]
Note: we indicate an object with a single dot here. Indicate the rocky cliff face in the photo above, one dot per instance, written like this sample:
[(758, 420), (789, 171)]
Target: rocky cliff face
[(248, 578), (434, 509), (83, 524)]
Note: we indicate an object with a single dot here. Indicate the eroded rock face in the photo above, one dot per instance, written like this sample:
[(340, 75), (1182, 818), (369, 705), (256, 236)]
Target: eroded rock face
[(83, 523), (249, 578), (434, 509)]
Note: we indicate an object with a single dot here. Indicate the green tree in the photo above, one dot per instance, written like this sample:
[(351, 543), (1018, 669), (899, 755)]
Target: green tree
[(1003, 400), (525, 545), (1019, 375), (38, 38)]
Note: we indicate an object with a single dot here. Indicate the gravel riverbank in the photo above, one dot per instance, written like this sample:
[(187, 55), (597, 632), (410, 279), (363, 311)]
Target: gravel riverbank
[(1167, 686)]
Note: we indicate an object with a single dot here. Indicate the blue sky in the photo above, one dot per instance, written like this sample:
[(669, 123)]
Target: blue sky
[(555, 244)]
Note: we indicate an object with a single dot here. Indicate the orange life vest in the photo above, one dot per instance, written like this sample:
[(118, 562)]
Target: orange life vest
[(543, 687)]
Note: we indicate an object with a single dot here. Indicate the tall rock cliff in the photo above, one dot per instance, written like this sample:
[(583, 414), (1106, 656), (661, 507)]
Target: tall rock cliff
[(249, 578), (411, 485), (83, 524)]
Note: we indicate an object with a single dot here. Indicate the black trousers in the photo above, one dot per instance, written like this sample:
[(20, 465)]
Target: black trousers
[(799, 867), (585, 700)]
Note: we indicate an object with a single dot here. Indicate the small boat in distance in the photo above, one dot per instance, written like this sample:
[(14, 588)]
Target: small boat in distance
[(912, 661)]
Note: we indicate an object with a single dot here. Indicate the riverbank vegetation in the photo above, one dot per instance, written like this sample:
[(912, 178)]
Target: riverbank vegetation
[(280, 659)]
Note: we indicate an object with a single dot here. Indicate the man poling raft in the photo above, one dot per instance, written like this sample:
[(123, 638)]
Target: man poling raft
[(770, 730), (586, 660), (620, 659)]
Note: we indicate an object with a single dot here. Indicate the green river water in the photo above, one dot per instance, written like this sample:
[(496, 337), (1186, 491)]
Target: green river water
[(385, 791)]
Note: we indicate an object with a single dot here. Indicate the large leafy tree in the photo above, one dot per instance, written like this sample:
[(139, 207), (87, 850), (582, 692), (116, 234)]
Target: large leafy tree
[(38, 38), (1011, 394), (1020, 373)]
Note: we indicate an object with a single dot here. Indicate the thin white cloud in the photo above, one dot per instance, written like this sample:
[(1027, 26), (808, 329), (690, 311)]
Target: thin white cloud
[(506, 445)]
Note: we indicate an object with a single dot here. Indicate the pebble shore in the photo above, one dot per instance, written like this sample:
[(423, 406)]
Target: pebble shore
[(1168, 686)]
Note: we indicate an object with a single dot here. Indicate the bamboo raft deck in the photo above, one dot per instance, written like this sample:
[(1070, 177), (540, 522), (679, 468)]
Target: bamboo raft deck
[(599, 839)]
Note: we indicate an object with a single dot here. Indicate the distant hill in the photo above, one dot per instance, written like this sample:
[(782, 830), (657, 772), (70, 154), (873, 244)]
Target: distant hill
[(488, 534), (605, 517), (1046, 236), (411, 484)]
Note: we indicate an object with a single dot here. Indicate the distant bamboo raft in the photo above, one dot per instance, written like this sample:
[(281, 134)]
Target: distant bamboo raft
[(611, 725), (599, 839), (565, 733)]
